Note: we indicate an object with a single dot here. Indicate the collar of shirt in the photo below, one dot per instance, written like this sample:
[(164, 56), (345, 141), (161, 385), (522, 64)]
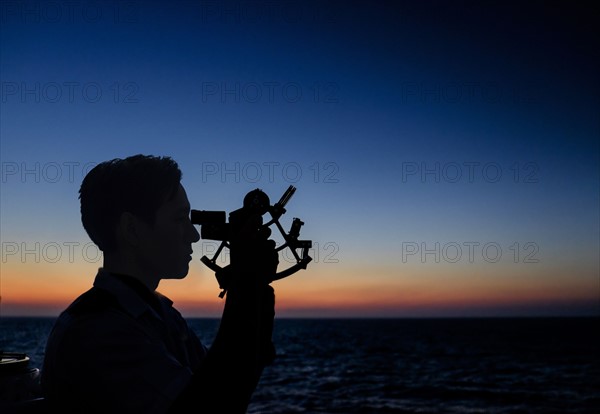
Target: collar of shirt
[(128, 296)]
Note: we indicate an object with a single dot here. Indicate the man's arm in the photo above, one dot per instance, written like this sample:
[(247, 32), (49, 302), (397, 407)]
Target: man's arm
[(243, 346)]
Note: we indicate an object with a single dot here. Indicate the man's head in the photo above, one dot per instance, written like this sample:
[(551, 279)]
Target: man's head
[(136, 206), (139, 185)]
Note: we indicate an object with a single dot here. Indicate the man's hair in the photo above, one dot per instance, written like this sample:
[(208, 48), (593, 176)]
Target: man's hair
[(138, 184)]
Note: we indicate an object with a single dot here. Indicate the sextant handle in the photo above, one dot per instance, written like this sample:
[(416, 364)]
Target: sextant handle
[(292, 269), (302, 264), (210, 264)]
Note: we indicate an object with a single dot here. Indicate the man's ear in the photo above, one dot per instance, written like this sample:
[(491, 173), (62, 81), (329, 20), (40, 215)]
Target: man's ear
[(128, 229)]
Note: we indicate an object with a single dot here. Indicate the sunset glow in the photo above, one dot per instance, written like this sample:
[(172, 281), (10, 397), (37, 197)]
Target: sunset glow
[(441, 170)]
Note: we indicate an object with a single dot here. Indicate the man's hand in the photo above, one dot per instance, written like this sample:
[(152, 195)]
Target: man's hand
[(253, 254)]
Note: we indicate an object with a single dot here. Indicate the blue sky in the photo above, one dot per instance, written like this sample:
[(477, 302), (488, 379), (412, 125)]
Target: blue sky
[(398, 122)]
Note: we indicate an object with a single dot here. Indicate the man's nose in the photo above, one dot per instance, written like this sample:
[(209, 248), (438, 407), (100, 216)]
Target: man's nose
[(194, 235)]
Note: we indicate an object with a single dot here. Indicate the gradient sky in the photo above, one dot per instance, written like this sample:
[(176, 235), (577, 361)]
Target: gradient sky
[(445, 154)]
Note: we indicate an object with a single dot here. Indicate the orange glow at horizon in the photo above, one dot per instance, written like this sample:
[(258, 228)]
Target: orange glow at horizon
[(36, 289)]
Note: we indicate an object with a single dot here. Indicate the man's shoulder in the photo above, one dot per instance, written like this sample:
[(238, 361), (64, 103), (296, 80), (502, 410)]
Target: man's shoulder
[(96, 313), (92, 302)]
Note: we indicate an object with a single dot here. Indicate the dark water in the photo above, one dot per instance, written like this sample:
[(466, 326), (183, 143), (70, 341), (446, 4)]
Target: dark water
[(408, 365)]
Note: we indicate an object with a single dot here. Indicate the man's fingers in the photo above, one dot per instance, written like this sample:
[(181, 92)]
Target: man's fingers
[(264, 233)]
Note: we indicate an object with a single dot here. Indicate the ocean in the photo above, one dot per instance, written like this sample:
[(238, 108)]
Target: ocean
[(373, 366)]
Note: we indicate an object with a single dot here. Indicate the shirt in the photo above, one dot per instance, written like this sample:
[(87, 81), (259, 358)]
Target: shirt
[(112, 350)]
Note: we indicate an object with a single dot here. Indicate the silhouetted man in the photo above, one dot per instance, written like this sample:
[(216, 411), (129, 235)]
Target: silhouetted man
[(121, 347)]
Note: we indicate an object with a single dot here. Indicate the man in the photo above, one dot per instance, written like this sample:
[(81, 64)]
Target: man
[(121, 347)]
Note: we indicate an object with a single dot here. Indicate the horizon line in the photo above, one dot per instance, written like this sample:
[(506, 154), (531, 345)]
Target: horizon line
[(554, 316)]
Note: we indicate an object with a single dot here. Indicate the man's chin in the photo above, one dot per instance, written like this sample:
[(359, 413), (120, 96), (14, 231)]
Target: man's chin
[(181, 274)]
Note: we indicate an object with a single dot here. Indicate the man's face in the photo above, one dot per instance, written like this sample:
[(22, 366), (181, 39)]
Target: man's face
[(166, 246)]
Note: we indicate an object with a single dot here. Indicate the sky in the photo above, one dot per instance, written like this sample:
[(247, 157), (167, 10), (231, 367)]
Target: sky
[(445, 153)]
